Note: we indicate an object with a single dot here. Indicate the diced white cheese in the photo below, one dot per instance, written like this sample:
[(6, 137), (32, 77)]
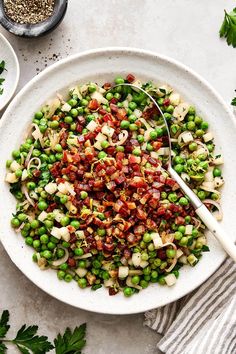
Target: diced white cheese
[(99, 97), (187, 137), (144, 264), (156, 239), (51, 188), (170, 279), (15, 166), (65, 235), (91, 126), (42, 216), (136, 259), (100, 137), (207, 137), (11, 178), (123, 272), (56, 232), (98, 145), (209, 177), (108, 130), (66, 107), (81, 272), (80, 234), (179, 253), (24, 175), (58, 214), (188, 229), (174, 98), (181, 111)]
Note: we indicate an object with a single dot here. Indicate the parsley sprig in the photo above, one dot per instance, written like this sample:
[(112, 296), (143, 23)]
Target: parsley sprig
[(28, 342), (228, 27), (2, 68)]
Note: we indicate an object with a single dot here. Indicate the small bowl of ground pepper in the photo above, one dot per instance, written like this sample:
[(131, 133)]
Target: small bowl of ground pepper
[(31, 18)]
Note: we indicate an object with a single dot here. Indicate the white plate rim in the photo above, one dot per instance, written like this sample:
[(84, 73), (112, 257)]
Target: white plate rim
[(16, 81), (116, 50)]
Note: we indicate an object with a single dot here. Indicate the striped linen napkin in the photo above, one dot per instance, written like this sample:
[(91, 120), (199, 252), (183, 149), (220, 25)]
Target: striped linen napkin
[(203, 322)]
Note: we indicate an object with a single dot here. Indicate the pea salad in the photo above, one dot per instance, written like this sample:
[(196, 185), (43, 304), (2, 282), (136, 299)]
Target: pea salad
[(94, 199)]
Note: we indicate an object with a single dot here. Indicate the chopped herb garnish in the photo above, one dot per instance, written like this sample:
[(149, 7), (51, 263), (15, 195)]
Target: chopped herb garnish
[(27, 341), (228, 28), (2, 68)]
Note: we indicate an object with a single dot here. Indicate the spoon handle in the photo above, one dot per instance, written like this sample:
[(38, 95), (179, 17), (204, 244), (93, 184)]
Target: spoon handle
[(206, 216), (215, 228)]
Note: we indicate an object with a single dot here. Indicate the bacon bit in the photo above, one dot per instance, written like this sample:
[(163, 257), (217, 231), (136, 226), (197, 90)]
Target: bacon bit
[(107, 86), (71, 262), (93, 105), (112, 291), (166, 102), (130, 78), (161, 254), (51, 207), (179, 220), (102, 111), (114, 108), (138, 182)]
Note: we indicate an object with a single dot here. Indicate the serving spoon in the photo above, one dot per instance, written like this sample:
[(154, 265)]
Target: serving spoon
[(201, 210)]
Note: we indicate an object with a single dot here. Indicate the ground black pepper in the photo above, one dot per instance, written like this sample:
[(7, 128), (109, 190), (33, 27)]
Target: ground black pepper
[(28, 11)]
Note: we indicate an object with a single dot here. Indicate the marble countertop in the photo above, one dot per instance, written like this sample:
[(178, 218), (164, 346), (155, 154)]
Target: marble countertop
[(183, 29)]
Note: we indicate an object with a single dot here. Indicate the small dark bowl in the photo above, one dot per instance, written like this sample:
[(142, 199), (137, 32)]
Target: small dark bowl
[(38, 29)]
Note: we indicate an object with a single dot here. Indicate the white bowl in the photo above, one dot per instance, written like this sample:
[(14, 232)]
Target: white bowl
[(103, 65), (12, 72)]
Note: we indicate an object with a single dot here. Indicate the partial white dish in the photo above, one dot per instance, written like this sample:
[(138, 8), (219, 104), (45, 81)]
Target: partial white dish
[(12, 72), (103, 65)]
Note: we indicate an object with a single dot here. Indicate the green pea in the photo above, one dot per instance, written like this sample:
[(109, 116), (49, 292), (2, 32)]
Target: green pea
[(68, 278), (60, 253), (183, 241), (101, 232), (144, 256), (132, 105), (192, 146), (161, 280), (34, 224), (179, 168), (61, 274), (132, 118), (172, 197), (136, 152), (210, 147), (140, 139), (169, 109), (82, 282), (170, 253), (183, 201), (36, 244), (159, 132), (133, 127), (102, 155), (147, 270), (153, 135), (198, 120), (51, 245), (190, 118), (124, 124), (64, 266), (16, 154), (90, 117), (217, 172), (72, 102), (109, 96), (154, 274), (181, 228), (65, 221), (119, 80), (190, 125), (15, 222), (75, 224), (128, 291), (178, 235), (147, 237), (44, 239), (38, 115), (135, 279), (64, 199), (82, 264), (204, 125), (104, 144), (58, 148), (42, 205), (191, 110), (199, 133), (143, 284), (68, 119), (96, 264), (48, 224), (92, 88), (120, 149), (29, 241), (78, 252), (83, 194), (149, 147)]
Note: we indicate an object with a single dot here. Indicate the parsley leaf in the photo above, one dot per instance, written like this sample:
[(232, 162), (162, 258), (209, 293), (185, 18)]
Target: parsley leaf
[(2, 66), (26, 339), (3, 348), (4, 327), (71, 342), (228, 28), (233, 102)]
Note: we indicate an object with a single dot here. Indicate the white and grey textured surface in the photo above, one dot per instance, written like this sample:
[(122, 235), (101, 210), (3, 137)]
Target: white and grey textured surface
[(184, 29)]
